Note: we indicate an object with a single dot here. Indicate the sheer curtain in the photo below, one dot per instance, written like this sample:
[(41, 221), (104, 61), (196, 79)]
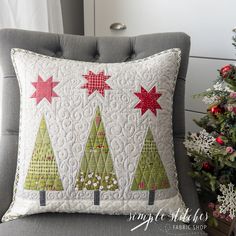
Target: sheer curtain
[(39, 15)]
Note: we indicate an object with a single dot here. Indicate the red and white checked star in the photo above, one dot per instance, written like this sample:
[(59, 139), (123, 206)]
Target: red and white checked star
[(96, 82)]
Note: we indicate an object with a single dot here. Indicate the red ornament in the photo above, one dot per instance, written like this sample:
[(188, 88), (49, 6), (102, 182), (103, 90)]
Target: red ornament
[(216, 110), (211, 205), (207, 166), (224, 71), (219, 140)]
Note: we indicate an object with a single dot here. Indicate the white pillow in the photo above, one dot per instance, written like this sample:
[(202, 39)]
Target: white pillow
[(95, 137)]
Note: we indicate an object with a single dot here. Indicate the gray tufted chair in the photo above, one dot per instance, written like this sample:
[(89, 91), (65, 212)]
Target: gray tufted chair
[(101, 49)]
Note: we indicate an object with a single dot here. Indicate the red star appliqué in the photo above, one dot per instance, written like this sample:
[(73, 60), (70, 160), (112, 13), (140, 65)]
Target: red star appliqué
[(96, 82), (148, 100), (44, 89)]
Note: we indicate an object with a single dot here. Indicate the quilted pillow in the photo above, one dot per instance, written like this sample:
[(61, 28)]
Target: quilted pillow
[(95, 137)]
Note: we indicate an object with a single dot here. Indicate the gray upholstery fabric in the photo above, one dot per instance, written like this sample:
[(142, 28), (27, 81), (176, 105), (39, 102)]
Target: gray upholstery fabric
[(90, 225), (103, 49), (8, 155)]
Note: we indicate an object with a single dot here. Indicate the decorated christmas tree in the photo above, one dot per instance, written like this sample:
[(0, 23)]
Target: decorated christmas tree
[(96, 169), (43, 172), (150, 173), (213, 149)]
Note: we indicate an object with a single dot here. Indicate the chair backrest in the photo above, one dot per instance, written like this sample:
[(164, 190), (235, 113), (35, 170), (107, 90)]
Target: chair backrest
[(95, 49)]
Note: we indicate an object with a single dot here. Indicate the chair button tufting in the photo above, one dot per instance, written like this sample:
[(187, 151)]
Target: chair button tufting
[(58, 53), (96, 56), (132, 55)]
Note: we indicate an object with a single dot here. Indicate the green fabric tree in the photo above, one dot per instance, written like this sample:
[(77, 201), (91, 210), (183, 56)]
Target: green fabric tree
[(96, 170), (150, 173), (43, 172)]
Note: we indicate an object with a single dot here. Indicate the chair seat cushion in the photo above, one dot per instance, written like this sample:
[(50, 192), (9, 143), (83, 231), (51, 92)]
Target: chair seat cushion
[(88, 224)]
